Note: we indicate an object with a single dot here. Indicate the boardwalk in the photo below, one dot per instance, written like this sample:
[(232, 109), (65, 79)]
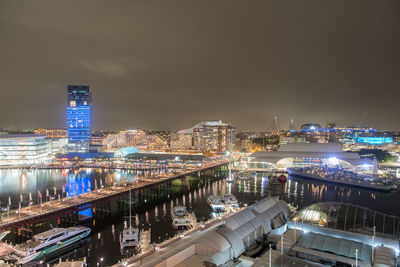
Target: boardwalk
[(55, 209)]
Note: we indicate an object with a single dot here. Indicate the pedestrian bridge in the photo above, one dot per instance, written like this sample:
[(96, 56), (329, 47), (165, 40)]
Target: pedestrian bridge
[(38, 213)]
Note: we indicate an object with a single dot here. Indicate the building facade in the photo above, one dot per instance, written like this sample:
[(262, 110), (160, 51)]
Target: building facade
[(143, 140), (55, 133), (79, 118), (214, 136), (24, 150), (181, 141)]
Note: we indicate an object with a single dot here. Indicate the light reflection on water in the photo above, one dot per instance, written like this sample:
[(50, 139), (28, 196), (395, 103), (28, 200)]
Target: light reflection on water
[(104, 240)]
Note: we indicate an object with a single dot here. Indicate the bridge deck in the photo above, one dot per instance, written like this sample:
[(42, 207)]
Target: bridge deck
[(48, 210)]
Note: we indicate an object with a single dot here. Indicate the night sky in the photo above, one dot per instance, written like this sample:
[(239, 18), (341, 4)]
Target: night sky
[(170, 64)]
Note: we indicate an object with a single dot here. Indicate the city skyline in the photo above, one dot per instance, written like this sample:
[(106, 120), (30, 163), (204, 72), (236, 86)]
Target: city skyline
[(226, 61), (199, 133)]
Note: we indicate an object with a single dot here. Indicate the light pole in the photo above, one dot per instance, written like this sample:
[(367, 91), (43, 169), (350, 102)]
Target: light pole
[(270, 256), (373, 238), (356, 257), (373, 243)]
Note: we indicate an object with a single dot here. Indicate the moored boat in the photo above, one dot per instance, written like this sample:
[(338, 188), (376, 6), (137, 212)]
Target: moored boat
[(282, 178), (51, 242), (130, 236), (231, 202), (216, 203), (181, 217)]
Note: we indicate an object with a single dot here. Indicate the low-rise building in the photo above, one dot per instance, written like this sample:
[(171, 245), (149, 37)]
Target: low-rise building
[(312, 154), (53, 133), (24, 150)]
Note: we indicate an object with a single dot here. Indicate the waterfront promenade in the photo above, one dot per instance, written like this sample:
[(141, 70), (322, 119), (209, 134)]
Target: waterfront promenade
[(54, 209)]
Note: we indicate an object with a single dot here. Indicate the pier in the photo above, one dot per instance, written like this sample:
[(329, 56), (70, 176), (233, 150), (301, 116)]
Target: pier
[(39, 213)]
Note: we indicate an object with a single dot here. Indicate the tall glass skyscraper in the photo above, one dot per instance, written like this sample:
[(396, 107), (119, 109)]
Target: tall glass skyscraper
[(79, 118)]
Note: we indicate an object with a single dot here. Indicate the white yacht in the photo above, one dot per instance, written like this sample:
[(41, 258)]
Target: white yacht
[(181, 217), (216, 203), (130, 236), (231, 202), (50, 242)]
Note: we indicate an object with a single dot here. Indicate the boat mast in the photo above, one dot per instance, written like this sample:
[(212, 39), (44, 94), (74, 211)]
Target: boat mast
[(130, 210)]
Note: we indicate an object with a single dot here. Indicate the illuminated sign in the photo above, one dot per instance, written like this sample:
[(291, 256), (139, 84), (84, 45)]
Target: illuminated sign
[(373, 140)]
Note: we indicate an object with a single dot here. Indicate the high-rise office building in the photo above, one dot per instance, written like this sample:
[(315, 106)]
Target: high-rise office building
[(79, 118)]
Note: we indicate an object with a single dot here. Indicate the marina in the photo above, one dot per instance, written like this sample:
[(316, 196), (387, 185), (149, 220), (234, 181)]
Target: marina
[(179, 134), (343, 177), (44, 211), (153, 213)]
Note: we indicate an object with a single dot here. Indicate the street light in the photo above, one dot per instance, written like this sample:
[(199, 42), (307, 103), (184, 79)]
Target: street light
[(356, 257)]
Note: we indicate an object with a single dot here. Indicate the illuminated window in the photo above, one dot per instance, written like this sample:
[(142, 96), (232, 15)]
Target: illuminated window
[(72, 103), (85, 102)]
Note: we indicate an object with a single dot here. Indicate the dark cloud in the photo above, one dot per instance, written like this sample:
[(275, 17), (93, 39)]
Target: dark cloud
[(169, 64)]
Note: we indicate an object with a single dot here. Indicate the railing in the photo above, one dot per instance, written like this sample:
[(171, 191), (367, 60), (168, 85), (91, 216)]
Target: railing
[(24, 214)]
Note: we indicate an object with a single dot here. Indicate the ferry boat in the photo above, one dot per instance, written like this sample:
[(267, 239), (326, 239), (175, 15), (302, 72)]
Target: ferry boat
[(216, 203), (50, 242), (231, 202), (347, 178), (130, 236), (181, 217)]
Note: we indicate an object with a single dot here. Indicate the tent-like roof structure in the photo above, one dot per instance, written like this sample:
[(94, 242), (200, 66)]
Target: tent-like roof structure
[(349, 217), (335, 246)]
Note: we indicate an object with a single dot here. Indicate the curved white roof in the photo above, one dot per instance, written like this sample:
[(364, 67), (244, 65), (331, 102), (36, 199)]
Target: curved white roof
[(264, 204), (236, 243), (214, 240), (245, 230), (240, 218), (260, 221)]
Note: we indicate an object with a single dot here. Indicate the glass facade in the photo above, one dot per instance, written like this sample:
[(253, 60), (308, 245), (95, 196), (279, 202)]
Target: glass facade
[(79, 118), (24, 150)]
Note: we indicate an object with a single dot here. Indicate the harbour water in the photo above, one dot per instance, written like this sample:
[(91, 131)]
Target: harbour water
[(153, 207)]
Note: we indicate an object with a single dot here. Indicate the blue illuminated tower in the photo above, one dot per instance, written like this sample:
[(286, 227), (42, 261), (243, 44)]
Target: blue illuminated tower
[(78, 118)]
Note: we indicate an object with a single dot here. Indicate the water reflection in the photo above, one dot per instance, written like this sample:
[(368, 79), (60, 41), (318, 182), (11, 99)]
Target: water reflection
[(50, 183), (192, 193)]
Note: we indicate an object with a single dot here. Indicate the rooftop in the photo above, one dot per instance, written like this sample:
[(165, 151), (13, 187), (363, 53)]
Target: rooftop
[(21, 136), (49, 233), (312, 147), (337, 247), (348, 217)]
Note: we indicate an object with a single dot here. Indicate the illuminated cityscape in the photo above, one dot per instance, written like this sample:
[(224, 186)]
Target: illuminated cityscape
[(209, 133)]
